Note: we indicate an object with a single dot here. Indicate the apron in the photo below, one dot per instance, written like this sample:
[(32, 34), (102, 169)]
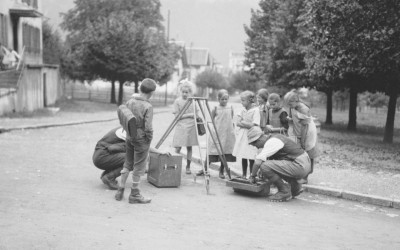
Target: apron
[(226, 132)]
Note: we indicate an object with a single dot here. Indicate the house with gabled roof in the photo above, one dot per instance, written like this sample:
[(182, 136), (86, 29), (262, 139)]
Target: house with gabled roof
[(198, 60), (29, 85)]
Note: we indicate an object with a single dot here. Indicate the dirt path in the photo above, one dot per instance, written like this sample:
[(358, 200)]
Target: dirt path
[(52, 198)]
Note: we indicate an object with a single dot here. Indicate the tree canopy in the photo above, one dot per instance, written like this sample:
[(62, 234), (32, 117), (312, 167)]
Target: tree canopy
[(121, 40), (211, 79), (329, 45)]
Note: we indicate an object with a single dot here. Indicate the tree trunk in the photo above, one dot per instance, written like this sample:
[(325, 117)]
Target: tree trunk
[(389, 127), (136, 86), (121, 92), (113, 92), (352, 125), (329, 105)]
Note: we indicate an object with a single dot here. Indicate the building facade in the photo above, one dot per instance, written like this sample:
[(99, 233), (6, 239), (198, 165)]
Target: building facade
[(31, 84)]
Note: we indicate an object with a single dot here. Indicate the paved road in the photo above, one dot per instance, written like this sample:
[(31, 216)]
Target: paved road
[(52, 198)]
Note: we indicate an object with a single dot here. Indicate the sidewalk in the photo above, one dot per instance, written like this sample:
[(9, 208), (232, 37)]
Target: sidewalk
[(346, 183)]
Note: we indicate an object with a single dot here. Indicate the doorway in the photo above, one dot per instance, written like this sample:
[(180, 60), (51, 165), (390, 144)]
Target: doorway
[(44, 90)]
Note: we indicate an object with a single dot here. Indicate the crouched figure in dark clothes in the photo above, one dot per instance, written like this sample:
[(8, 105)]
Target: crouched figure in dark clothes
[(109, 155), (280, 158)]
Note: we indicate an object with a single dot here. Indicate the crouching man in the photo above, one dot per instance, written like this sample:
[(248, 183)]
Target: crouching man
[(280, 158)]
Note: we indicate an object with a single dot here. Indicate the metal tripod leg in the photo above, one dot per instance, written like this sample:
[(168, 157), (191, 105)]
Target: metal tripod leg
[(174, 122), (206, 174)]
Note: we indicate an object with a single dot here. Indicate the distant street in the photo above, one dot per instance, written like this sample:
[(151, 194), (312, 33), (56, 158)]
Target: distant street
[(52, 198)]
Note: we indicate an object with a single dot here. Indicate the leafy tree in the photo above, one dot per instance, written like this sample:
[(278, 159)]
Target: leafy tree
[(358, 41), (275, 42), (53, 45), (244, 81), (211, 79), (377, 100), (118, 41)]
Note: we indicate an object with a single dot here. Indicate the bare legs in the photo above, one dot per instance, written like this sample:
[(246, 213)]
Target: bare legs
[(189, 157), (244, 166)]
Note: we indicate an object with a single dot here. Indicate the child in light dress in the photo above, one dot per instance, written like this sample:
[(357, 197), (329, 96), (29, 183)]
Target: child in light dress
[(248, 117), (185, 130), (277, 121), (222, 116), (302, 127), (262, 100)]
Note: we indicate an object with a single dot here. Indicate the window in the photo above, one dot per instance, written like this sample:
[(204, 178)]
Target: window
[(32, 3), (3, 30), (31, 38)]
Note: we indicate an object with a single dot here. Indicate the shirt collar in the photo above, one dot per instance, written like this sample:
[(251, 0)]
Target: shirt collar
[(138, 97)]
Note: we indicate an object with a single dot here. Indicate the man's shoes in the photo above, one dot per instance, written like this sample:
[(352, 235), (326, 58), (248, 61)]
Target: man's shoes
[(221, 175), (138, 199), (283, 194), (295, 188), (120, 194), (279, 197), (200, 173), (111, 184), (188, 171)]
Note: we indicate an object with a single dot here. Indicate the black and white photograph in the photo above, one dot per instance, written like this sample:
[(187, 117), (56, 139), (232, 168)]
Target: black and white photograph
[(199, 124)]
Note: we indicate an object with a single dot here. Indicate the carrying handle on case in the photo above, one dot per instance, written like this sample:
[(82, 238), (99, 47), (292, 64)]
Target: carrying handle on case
[(170, 167)]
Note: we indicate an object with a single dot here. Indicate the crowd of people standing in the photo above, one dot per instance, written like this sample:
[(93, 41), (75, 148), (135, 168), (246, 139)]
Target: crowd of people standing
[(275, 140)]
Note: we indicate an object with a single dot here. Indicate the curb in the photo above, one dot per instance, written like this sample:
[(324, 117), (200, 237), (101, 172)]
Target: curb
[(61, 124), (49, 125), (333, 192)]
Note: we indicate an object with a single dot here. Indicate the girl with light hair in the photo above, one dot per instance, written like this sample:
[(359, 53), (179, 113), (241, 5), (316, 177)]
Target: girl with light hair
[(185, 129), (248, 117)]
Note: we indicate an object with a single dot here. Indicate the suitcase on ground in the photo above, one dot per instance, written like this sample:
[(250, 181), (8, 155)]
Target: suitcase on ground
[(164, 170)]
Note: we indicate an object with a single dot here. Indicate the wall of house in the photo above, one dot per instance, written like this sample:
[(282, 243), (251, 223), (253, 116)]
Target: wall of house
[(53, 84), (31, 92), (7, 101), (31, 57)]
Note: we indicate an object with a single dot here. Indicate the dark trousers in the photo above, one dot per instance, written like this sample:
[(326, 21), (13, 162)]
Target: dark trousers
[(102, 159)]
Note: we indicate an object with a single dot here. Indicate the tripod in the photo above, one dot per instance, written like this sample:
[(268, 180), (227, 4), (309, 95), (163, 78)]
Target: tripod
[(202, 103)]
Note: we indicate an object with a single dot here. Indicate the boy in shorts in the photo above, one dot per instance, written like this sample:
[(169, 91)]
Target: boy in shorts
[(137, 148)]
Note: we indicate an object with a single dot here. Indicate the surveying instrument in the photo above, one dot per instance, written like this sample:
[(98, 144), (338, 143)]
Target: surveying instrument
[(210, 132)]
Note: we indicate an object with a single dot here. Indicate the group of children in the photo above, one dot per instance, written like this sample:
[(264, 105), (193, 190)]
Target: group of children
[(261, 109)]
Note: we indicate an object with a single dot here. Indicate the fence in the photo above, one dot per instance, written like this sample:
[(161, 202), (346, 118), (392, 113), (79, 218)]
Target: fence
[(103, 94)]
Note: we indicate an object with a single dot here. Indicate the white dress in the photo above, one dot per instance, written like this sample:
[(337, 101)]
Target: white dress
[(242, 148)]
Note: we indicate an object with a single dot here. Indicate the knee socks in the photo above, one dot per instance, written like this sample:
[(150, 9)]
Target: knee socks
[(135, 182), (124, 177)]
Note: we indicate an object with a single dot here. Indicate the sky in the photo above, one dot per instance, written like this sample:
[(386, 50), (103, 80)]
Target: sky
[(213, 24)]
